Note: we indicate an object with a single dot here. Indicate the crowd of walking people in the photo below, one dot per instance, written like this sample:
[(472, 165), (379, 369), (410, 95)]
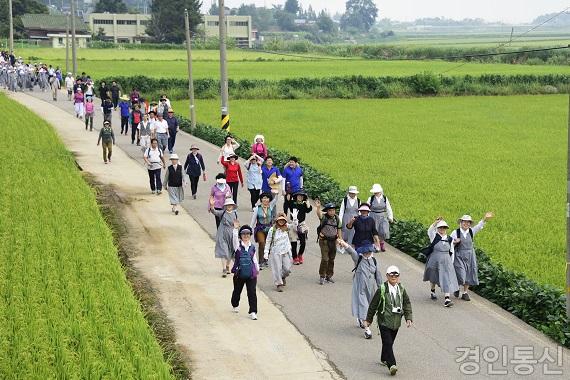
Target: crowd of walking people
[(277, 233)]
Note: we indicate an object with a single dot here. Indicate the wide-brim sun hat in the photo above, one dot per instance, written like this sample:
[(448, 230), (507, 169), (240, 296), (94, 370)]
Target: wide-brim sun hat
[(301, 192), (170, 110), (258, 137), (392, 269), (194, 147), (229, 202), (353, 190), (376, 188), (364, 207), (124, 97), (442, 223), (465, 218), (329, 206), (368, 248), (281, 216), (174, 156)]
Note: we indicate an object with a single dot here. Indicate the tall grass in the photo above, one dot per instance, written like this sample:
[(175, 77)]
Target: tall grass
[(437, 156), (66, 308)]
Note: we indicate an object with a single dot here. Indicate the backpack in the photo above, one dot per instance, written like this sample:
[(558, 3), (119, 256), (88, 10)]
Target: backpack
[(383, 289), (360, 259), (372, 199), (328, 227), (346, 201), (458, 233), (147, 153), (245, 263), (429, 249)]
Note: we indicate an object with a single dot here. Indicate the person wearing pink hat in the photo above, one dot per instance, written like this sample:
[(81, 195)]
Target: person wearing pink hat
[(364, 227)]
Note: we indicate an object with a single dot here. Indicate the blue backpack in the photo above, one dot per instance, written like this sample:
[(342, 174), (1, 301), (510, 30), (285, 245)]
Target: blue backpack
[(245, 263)]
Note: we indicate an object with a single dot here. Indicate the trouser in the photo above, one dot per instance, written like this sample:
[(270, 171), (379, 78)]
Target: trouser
[(107, 150), (162, 140), (145, 142), (280, 267), (154, 178), (251, 295), (124, 124), (194, 184), (218, 219), (54, 90), (234, 186), (255, 193), (260, 237), (107, 117), (171, 141), (388, 337), (115, 102), (328, 254), (89, 120), (134, 134), (79, 109), (287, 199), (302, 243)]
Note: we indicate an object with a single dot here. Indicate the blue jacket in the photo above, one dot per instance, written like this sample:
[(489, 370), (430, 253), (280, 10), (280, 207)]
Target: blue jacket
[(124, 106), (193, 168)]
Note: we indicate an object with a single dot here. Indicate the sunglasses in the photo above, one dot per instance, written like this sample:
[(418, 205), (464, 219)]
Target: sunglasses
[(394, 274)]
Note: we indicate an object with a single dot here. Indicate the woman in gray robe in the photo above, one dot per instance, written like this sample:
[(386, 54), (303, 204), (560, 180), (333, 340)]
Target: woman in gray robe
[(381, 211), (174, 183), (439, 266), (348, 210), (365, 281), (225, 249)]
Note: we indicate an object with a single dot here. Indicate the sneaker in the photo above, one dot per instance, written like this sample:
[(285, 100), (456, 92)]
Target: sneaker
[(176, 212), (456, 294), (109, 160), (194, 196), (301, 261), (367, 333), (322, 281), (433, 296), (153, 192), (393, 370), (330, 280), (296, 261), (105, 162), (284, 281), (280, 288), (224, 273), (465, 297), (448, 303), (158, 192), (253, 316), (236, 309)]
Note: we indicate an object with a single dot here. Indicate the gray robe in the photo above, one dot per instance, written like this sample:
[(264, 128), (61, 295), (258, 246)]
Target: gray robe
[(465, 262), (439, 268), (224, 237), (365, 282), (379, 211), (348, 213)]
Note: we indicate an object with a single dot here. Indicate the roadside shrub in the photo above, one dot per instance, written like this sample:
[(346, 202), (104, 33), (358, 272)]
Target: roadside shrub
[(425, 84)]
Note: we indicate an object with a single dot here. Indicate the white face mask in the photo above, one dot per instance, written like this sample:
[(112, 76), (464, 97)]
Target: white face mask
[(221, 181)]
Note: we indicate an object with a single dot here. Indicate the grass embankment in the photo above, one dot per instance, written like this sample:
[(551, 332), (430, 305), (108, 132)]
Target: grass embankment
[(66, 308), (435, 156)]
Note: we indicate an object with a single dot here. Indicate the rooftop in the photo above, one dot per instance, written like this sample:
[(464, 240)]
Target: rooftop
[(51, 22)]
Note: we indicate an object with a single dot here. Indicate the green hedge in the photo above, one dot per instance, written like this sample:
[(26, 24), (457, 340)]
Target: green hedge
[(424, 84), (541, 306)]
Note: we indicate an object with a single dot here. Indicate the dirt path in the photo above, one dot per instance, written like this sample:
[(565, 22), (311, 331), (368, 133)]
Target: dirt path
[(176, 255)]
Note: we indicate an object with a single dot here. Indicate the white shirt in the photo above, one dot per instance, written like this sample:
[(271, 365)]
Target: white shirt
[(281, 244), (153, 156), (475, 230), (69, 81), (161, 126), (394, 292), (351, 202)]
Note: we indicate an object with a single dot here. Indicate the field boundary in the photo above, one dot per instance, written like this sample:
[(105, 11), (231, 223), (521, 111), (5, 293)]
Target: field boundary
[(541, 306)]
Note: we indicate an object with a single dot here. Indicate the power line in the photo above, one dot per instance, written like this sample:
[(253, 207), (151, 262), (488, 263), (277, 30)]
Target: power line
[(518, 36)]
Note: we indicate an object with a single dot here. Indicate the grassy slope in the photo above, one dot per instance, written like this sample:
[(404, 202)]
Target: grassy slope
[(66, 308), (437, 156)]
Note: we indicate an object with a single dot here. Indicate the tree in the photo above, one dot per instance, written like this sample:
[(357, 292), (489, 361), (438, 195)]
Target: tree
[(360, 15), (19, 7), (326, 24), (291, 6), (214, 10), (285, 20), (111, 6), (167, 19), (100, 36)]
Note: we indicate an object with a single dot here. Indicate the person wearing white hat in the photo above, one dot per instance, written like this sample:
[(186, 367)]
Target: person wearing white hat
[(69, 82), (278, 251), (364, 227), (224, 236), (348, 210), (465, 261), (195, 167), (174, 182), (381, 211), (245, 269), (258, 147), (439, 266), (365, 281), (390, 302)]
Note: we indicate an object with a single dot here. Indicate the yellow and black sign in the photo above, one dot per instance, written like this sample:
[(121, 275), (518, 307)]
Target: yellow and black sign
[(226, 122)]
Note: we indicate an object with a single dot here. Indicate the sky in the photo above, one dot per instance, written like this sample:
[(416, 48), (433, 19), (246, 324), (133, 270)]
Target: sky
[(508, 11)]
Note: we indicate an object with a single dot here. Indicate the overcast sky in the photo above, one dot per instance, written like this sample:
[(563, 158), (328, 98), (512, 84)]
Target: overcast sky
[(510, 11)]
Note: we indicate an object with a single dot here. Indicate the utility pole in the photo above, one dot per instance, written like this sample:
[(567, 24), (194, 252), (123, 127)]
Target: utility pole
[(73, 39), (190, 77), (10, 16), (568, 220), (223, 69), (67, 44)]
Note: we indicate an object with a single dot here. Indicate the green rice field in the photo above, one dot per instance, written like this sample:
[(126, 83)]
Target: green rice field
[(66, 308), (437, 156)]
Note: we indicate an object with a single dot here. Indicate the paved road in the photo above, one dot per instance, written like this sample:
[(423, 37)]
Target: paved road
[(322, 313)]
